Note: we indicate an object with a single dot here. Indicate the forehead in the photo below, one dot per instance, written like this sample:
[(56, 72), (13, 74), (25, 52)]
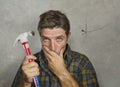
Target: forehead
[(52, 32)]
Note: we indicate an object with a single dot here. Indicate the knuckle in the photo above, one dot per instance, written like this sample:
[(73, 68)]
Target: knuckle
[(36, 69), (23, 68), (35, 64)]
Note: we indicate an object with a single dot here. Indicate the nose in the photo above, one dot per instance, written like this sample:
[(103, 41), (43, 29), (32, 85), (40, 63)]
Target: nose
[(52, 44)]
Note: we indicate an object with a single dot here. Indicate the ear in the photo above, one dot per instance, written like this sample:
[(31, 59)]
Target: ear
[(69, 35)]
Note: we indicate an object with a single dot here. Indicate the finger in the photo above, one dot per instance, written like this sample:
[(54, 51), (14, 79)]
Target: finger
[(31, 70), (61, 52), (30, 65), (47, 51), (26, 59), (47, 56), (30, 75), (33, 74)]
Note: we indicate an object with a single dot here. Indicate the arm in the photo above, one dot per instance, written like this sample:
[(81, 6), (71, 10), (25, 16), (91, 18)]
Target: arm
[(29, 71), (24, 83), (88, 74), (67, 80), (58, 67)]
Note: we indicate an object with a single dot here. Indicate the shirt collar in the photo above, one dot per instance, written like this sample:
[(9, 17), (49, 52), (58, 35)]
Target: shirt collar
[(68, 56), (67, 51)]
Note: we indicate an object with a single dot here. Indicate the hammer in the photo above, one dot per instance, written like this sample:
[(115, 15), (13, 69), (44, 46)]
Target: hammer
[(23, 38)]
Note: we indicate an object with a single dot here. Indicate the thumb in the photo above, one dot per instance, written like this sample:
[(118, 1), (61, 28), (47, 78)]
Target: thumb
[(30, 58)]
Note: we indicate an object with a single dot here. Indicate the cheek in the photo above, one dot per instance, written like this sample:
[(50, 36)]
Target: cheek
[(60, 46)]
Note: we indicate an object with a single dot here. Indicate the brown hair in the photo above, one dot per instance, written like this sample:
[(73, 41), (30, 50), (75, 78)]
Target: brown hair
[(54, 18)]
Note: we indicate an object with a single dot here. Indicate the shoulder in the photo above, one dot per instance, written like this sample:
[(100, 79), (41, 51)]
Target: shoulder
[(80, 56), (76, 54), (82, 60)]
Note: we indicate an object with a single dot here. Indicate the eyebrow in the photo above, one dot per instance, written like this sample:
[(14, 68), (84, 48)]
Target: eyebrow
[(60, 36), (48, 37), (45, 37)]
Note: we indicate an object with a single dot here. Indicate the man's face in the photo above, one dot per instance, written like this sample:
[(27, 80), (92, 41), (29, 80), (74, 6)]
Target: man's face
[(55, 39)]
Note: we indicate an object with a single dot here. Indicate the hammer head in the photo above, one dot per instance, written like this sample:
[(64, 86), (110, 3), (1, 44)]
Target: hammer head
[(24, 37)]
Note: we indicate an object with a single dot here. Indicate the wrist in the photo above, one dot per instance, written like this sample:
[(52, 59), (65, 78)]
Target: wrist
[(25, 83), (64, 75), (67, 80)]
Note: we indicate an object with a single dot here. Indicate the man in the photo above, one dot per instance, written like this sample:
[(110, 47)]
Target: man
[(56, 64)]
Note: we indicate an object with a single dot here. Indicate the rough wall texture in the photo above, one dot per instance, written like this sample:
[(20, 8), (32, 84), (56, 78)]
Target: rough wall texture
[(100, 41)]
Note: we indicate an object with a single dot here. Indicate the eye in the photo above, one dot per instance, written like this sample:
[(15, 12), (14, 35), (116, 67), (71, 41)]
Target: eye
[(44, 39), (59, 39)]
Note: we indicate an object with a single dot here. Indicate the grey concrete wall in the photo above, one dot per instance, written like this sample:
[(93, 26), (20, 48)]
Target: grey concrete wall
[(100, 41)]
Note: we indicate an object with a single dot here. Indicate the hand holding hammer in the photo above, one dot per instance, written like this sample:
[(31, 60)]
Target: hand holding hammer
[(29, 67)]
